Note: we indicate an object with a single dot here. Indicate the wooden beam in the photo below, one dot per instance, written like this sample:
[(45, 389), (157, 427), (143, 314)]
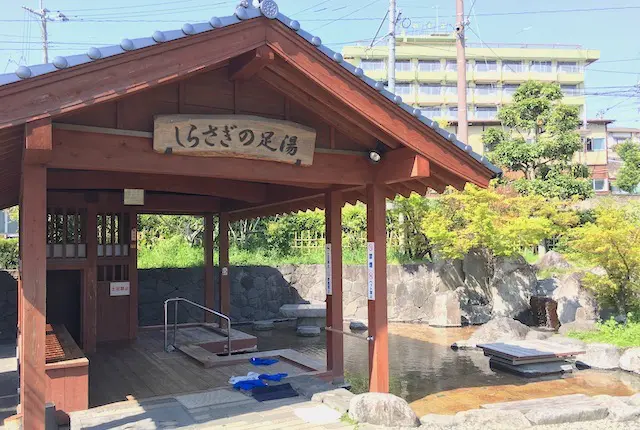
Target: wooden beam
[(245, 66), (38, 142), (377, 305), (112, 78), (434, 183), (90, 180), (370, 105), (33, 301), (447, 177), (209, 295), (335, 340), (90, 290), (136, 155), (225, 276), (401, 165)]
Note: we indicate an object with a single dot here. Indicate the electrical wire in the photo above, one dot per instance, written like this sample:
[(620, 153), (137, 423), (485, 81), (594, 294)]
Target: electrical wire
[(369, 4)]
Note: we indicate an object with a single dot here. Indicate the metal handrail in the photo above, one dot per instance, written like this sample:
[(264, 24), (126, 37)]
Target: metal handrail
[(175, 321)]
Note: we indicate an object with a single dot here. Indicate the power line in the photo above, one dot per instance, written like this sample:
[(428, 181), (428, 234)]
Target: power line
[(347, 15), (614, 71)]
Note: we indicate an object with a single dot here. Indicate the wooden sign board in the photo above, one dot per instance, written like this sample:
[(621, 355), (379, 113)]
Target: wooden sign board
[(133, 197), (119, 289), (241, 136)]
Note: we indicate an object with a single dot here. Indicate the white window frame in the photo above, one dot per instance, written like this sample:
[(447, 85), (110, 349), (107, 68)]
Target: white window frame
[(427, 93), (400, 66), (407, 88), (569, 67), (486, 109), (605, 184), (486, 90), (430, 63), (366, 65), (513, 66), (451, 66), (570, 89), (431, 112), (450, 89), (483, 64), (544, 66), (592, 140), (451, 112)]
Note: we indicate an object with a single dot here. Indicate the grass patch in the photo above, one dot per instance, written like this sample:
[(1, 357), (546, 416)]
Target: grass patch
[(621, 335), (345, 418), (530, 256)]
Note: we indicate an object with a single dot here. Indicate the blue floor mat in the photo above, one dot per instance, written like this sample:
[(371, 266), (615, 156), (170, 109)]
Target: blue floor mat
[(273, 392)]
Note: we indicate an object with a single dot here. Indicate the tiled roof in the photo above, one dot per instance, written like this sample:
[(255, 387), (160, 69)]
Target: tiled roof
[(244, 11)]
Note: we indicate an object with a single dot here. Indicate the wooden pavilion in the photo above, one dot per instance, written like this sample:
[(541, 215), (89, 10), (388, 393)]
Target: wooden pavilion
[(241, 117)]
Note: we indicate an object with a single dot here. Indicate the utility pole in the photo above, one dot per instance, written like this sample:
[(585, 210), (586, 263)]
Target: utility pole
[(391, 66), (463, 126), (45, 15)]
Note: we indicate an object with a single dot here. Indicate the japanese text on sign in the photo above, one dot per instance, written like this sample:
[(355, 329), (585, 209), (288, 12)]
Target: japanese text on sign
[(119, 289), (234, 136), (371, 271)]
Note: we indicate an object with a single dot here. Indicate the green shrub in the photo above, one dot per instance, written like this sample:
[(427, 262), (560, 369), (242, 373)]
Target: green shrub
[(622, 335), (9, 255)]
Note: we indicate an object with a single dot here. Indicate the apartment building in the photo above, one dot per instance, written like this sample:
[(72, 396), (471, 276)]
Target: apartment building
[(615, 136), (8, 226), (426, 77)]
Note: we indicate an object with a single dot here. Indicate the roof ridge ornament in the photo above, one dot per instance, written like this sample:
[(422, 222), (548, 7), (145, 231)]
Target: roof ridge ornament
[(268, 8)]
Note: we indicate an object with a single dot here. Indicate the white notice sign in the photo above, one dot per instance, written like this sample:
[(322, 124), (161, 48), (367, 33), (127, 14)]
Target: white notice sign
[(119, 289), (327, 254), (371, 271), (133, 197)]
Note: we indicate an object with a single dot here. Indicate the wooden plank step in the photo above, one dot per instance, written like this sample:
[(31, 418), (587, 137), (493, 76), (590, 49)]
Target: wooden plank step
[(529, 350), (205, 358)]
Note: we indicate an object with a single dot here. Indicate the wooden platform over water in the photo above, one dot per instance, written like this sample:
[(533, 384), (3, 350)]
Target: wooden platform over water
[(143, 370), (529, 351)]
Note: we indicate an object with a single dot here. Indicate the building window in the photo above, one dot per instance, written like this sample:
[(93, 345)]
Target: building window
[(404, 89), (568, 67), (451, 89), (430, 89), (541, 66), (486, 112), (570, 90), (486, 90), (431, 111), (452, 112), (509, 89), (596, 144), (404, 66), (451, 66), (486, 66), (599, 185), (372, 65), (513, 66), (429, 65)]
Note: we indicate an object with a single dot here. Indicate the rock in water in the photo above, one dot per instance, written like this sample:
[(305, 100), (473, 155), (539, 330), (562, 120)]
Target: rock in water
[(630, 360), (571, 296), (499, 329), (308, 331), (382, 409), (263, 325), (600, 356), (552, 260), (357, 326)]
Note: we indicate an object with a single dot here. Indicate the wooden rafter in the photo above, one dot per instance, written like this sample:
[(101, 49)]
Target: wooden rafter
[(248, 64)]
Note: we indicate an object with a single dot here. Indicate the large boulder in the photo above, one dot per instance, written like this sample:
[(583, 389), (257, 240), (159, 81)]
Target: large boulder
[(513, 283), (630, 360), (446, 310), (383, 410), (568, 341), (571, 296), (552, 260), (600, 356), (499, 330), (578, 325), (570, 414)]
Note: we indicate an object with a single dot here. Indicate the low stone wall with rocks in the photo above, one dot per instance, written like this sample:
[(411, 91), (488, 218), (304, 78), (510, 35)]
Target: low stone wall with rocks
[(8, 305)]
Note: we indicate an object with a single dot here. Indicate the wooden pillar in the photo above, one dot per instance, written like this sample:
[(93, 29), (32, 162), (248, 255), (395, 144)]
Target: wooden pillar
[(209, 296), (377, 289), (33, 300), (133, 273), (333, 230), (225, 280), (90, 291)]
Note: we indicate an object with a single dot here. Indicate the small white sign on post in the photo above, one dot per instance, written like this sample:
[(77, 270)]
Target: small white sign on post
[(371, 271), (119, 289), (327, 265)]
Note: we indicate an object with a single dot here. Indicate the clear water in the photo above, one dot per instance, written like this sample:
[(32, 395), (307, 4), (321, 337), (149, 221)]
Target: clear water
[(418, 367)]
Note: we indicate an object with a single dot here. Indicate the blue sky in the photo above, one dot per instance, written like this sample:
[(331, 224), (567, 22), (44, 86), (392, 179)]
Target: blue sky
[(614, 32)]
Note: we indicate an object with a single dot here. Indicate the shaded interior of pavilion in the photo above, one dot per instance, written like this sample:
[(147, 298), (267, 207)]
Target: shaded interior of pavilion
[(70, 160)]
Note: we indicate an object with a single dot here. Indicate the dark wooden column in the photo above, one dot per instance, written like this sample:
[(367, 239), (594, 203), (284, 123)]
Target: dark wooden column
[(33, 300), (377, 296), (209, 296), (225, 280), (133, 273), (335, 340), (90, 291)]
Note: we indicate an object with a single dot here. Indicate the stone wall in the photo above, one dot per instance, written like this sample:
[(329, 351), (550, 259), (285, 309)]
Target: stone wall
[(8, 305)]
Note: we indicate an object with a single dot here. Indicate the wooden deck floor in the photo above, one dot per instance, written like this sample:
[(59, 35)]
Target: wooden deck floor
[(144, 370)]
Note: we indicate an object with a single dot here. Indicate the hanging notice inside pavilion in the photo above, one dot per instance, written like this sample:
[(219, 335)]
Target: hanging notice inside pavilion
[(327, 256), (371, 271), (240, 136)]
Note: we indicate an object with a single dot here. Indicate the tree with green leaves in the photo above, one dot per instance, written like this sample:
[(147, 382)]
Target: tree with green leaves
[(628, 177), (497, 221), (537, 140), (613, 243)]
